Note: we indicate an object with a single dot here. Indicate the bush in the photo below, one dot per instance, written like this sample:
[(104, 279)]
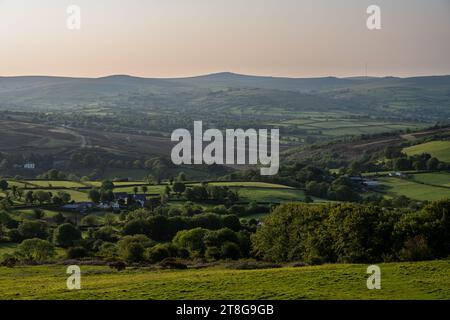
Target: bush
[(117, 265), (65, 235), (415, 249), (158, 253), (132, 248), (231, 251), (35, 250), (76, 253), (213, 253), (192, 240), (134, 252), (172, 263), (33, 229), (9, 261)]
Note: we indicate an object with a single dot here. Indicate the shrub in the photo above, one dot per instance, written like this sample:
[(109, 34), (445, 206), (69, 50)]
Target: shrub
[(172, 263), (415, 249), (158, 253), (132, 248), (65, 235), (213, 253), (33, 229), (117, 265), (231, 251), (192, 240), (76, 253), (35, 250)]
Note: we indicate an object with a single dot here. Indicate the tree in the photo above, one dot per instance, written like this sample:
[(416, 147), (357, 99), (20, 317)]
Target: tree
[(42, 196), (89, 221), (29, 197), (3, 185), (432, 164), (38, 213), (135, 190), (181, 177), (107, 196), (35, 250), (33, 229), (178, 187), (134, 252), (94, 195), (144, 189), (192, 240), (66, 235), (402, 164), (64, 196), (230, 250), (132, 248), (107, 185), (136, 226)]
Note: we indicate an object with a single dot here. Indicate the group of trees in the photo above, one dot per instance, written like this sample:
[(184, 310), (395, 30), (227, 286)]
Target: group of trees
[(350, 233), (396, 160), (353, 233), (205, 192), (137, 236)]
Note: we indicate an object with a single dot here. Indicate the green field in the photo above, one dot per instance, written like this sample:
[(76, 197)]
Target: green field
[(7, 248), (419, 280), (438, 149), (55, 184), (254, 184), (413, 190), (433, 178), (270, 195)]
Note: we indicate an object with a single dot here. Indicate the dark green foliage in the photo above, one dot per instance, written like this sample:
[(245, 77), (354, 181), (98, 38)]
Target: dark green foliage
[(353, 233), (77, 252), (33, 229), (230, 250), (66, 235)]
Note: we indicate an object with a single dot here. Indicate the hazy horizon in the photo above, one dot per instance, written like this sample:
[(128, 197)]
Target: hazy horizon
[(176, 39), (217, 73)]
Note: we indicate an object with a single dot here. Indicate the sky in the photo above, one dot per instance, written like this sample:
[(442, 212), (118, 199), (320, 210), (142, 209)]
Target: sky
[(176, 38)]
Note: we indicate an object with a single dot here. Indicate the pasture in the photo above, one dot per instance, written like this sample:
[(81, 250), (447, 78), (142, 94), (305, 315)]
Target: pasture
[(438, 149), (433, 178), (414, 280), (413, 190)]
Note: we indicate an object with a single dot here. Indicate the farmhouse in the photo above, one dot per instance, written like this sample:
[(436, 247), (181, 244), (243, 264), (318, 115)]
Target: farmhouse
[(79, 206), (29, 166)]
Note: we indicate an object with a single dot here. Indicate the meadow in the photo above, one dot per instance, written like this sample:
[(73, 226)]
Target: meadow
[(438, 149), (413, 190), (414, 280), (433, 178)]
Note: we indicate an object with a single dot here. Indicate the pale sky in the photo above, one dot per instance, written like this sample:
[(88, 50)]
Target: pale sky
[(173, 38)]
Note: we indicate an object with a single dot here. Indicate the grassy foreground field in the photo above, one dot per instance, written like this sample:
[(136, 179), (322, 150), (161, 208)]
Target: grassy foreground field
[(419, 280)]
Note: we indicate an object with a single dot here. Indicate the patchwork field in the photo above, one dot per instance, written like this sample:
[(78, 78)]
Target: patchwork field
[(419, 280), (438, 149), (339, 125)]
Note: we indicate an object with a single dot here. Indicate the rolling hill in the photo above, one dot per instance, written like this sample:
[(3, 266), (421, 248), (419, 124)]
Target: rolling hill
[(421, 97)]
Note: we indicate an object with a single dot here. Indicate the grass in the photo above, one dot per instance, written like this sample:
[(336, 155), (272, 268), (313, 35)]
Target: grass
[(56, 184), (434, 178), (438, 149), (254, 184), (418, 280), (7, 248), (413, 190), (78, 196), (275, 195), (28, 214)]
